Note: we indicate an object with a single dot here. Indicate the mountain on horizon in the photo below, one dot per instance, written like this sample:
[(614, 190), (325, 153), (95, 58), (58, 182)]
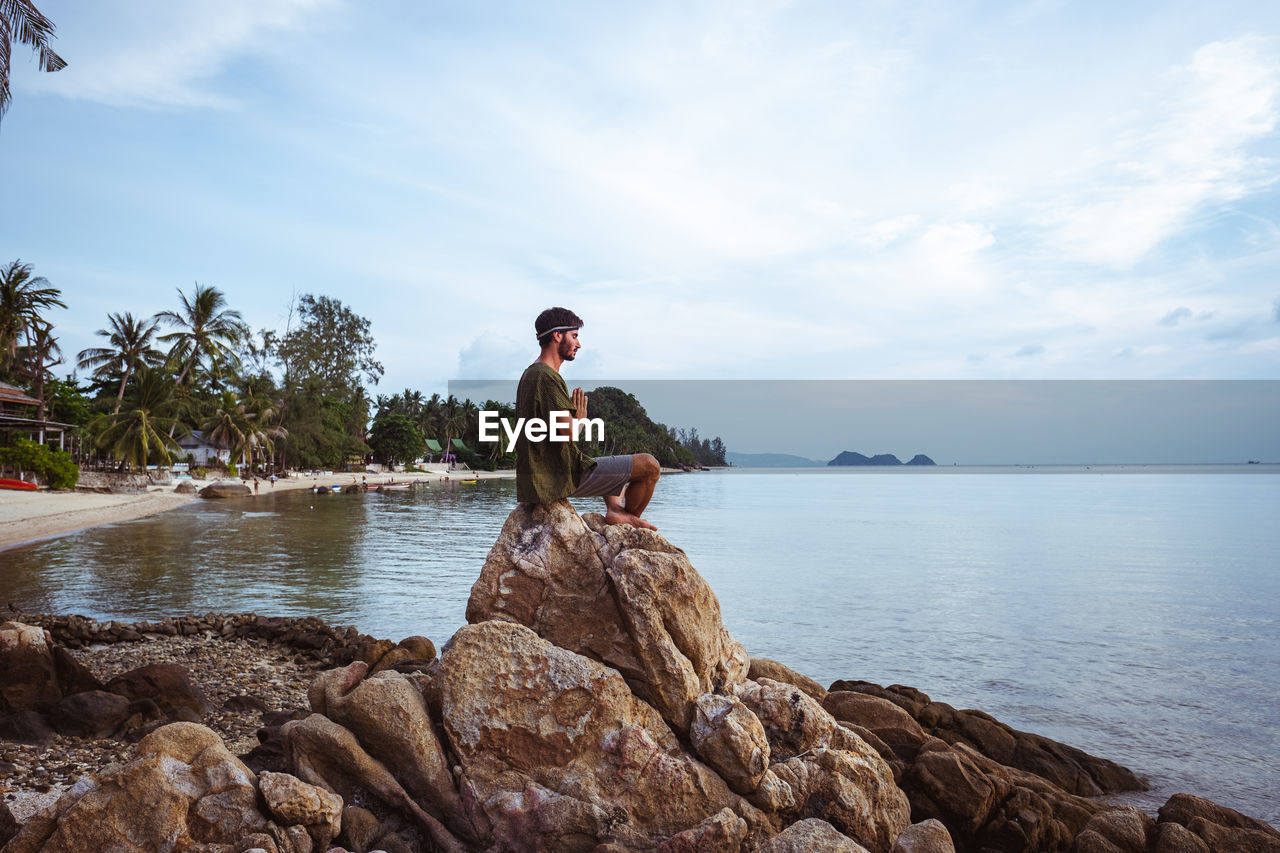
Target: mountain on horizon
[(848, 457), (770, 460)]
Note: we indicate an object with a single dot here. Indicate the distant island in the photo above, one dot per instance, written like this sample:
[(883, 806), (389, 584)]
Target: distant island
[(848, 457), (770, 460)]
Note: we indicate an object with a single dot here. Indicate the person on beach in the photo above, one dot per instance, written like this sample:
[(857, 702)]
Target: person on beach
[(548, 471)]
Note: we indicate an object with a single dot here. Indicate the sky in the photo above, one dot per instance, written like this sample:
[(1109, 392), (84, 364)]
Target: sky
[(722, 190)]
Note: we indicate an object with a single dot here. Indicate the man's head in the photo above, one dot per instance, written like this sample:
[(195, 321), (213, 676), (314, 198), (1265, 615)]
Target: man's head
[(558, 327)]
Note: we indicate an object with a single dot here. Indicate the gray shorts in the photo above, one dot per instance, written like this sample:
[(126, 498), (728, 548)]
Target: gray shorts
[(608, 478)]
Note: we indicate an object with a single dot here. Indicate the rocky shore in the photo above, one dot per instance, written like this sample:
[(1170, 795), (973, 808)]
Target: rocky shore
[(594, 702)]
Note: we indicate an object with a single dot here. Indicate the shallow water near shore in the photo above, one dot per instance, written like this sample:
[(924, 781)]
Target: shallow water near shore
[(1133, 614)]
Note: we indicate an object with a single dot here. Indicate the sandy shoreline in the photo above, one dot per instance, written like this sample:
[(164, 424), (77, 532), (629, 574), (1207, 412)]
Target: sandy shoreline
[(27, 517), (32, 516)]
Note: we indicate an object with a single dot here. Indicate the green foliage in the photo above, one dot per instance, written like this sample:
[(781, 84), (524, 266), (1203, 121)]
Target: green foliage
[(199, 472), (142, 431), (332, 347), (52, 465), (232, 470), (628, 429), (66, 402), (394, 439)]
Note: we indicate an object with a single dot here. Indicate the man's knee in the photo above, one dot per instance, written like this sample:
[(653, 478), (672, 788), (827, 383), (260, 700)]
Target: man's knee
[(644, 466)]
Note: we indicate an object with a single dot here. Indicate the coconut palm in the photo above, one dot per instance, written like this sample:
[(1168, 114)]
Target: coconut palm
[(142, 431), (22, 22), (22, 297), (243, 427), (207, 330), (41, 353), (130, 348)]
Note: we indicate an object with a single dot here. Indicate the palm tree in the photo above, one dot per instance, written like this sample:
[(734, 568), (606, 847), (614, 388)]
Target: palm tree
[(22, 296), (41, 348), (22, 22), (143, 431), (243, 427), (130, 349), (206, 329)]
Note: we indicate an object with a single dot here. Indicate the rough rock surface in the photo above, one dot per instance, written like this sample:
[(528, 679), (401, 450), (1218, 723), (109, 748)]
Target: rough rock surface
[(1218, 827), (811, 834), (547, 732), (183, 787), (617, 594), (26, 659), (1071, 769), (928, 836)]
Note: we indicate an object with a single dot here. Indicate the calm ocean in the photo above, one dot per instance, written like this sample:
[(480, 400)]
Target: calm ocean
[(1134, 613)]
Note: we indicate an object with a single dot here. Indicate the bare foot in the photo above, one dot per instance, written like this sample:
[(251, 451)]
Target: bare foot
[(617, 516)]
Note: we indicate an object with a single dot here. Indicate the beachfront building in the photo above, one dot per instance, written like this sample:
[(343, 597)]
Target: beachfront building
[(202, 451), (19, 414)]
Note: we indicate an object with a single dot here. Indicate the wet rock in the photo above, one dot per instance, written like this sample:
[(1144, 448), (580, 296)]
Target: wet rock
[(182, 788)]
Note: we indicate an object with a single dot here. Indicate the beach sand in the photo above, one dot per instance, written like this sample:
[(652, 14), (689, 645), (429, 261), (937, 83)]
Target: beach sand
[(30, 516)]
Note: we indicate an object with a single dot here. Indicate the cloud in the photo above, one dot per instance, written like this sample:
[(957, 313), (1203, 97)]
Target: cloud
[(157, 53), (1191, 148), (1174, 316), (1029, 351), (1276, 308)]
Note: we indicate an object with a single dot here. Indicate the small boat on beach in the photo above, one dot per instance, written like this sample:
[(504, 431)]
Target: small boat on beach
[(18, 485)]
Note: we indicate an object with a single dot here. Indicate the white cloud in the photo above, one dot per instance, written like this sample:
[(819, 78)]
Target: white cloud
[(153, 53), (1190, 148)]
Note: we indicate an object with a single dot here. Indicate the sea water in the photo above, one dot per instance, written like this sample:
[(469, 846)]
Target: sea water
[(1131, 612)]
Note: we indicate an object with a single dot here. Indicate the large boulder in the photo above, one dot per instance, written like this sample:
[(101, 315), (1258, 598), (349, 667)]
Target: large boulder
[(91, 714), (296, 803), (620, 595), (168, 685), (808, 835), (183, 788), (561, 754), (30, 680), (389, 716), (1071, 769), (1218, 827), (225, 489)]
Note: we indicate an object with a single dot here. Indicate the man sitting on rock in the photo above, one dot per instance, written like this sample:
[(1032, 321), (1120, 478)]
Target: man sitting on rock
[(548, 471)]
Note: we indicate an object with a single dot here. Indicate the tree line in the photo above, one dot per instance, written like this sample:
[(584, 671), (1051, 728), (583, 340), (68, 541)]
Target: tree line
[(293, 397), (404, 420)]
